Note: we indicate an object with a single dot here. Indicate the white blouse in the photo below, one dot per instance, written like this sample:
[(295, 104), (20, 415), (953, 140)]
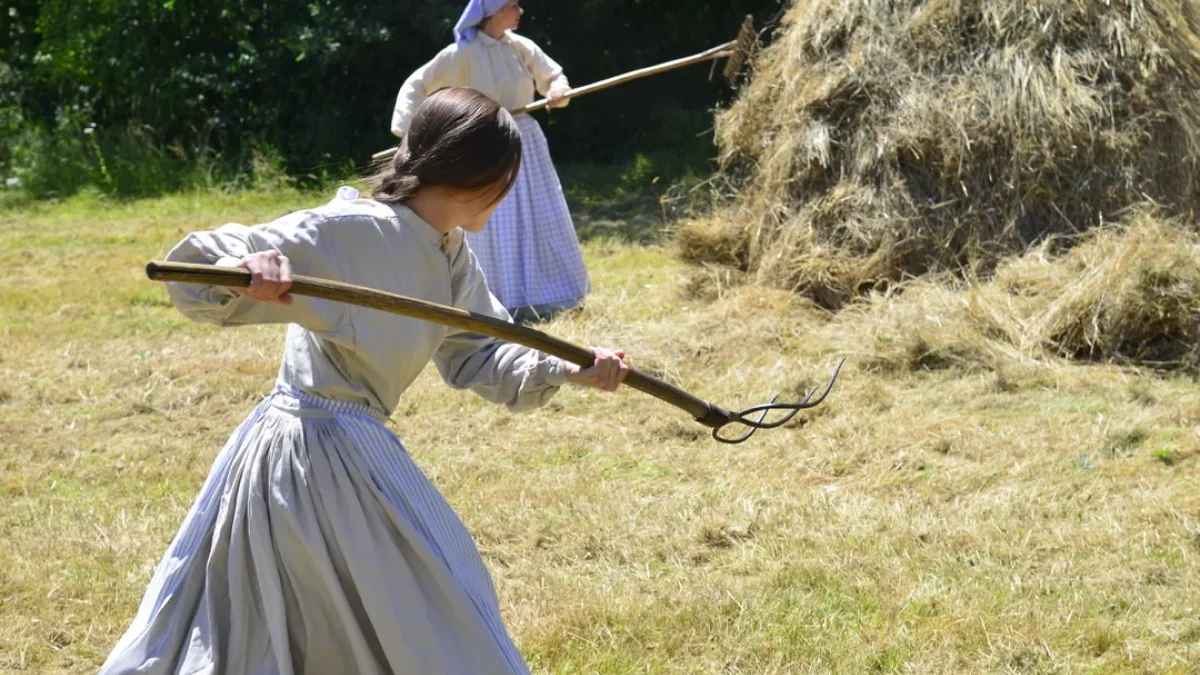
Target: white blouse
[(345, 352), (507, 70)]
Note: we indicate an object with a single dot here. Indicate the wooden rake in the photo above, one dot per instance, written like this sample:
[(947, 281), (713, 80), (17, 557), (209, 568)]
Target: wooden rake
[(736, 52), (714, 417)]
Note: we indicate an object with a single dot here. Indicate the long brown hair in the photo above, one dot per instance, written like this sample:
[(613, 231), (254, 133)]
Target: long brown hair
[(458, 138)]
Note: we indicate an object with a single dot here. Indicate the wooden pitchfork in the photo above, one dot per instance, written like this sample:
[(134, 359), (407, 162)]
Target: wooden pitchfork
[(712, 416), (735, 51)]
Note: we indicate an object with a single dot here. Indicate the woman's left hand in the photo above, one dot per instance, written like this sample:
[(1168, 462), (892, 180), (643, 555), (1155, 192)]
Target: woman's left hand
[(607, 373), (557, 98)]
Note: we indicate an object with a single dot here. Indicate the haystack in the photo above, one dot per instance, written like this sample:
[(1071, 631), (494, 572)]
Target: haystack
[(883, 139)]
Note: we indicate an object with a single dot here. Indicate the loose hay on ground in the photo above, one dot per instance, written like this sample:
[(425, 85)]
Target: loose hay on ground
[(923, 521), (1128, 293)]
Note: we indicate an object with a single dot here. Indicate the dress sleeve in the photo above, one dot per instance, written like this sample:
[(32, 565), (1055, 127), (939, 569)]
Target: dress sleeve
[(547, 74), (306, 238), (501, 372), (423, 82)]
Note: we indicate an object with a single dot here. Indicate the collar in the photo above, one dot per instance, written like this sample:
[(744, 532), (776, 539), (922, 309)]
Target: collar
[(448, 242), (489, 41)]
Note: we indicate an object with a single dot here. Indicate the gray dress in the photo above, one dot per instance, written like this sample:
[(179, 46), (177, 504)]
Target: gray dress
[(316, 545)]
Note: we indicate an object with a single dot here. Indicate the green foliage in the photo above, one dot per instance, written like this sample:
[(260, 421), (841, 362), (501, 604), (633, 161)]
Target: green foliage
[(140, 96)]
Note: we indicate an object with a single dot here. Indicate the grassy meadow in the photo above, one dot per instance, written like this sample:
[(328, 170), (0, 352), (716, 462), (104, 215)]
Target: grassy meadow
[(935, 516)]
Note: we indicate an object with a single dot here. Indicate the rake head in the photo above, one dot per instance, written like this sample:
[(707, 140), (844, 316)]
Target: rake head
[(739, 53)]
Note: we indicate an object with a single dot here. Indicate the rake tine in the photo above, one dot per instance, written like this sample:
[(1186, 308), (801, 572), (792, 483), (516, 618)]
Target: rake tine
[(740, 51)]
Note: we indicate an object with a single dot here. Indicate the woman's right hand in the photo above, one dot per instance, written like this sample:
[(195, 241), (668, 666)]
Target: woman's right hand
[(270, 277), (556, 98), (606, 373)]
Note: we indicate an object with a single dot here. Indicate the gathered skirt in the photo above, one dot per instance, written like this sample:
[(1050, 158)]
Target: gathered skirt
[(529, 251), (317, 546)]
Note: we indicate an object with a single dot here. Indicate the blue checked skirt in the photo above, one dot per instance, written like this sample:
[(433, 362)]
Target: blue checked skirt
[(528, 251)]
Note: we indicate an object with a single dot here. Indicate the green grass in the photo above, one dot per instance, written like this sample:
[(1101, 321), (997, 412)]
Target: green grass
[(1038, 520)]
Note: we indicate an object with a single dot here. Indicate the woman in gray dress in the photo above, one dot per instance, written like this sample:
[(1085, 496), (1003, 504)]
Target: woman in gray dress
[(316, 544)]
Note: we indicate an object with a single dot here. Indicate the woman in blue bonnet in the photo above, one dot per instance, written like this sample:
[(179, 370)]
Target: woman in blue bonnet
[(529, 251)]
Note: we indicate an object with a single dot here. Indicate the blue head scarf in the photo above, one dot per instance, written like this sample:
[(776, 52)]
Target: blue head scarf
[(476, 11)]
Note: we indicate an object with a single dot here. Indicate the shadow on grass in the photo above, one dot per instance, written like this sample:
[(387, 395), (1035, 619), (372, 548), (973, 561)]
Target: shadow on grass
[(634, 219), (622, 201)]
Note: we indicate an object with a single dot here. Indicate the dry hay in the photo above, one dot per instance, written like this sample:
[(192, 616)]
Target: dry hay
[(880, 140), (1127, 293)]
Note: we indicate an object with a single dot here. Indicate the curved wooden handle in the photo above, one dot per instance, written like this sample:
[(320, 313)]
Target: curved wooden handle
[(211, 275), (719, 52)]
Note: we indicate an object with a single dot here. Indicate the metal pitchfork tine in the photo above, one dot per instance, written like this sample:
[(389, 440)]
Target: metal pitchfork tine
[(767, 408), (712, 416)]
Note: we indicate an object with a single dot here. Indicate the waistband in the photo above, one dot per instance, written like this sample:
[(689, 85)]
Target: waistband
[(332, 405)]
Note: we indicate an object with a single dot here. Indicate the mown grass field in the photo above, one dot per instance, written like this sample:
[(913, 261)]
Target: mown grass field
[(931, 518)]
